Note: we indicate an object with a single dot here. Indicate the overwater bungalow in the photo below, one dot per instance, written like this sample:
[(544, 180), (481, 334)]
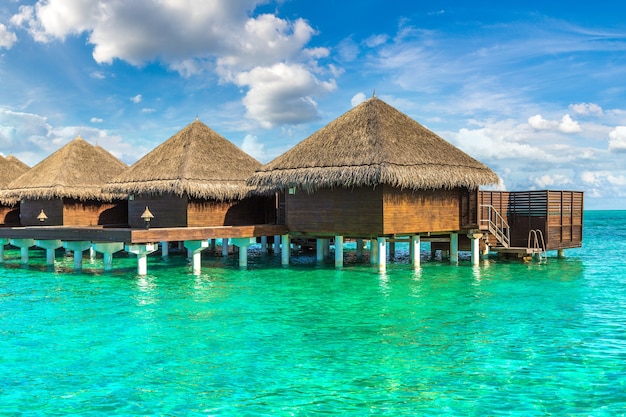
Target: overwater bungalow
[(10, 169), (65, 189), (197, 178), (376, 174)]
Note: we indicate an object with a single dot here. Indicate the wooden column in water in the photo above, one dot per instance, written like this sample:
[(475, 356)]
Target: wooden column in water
[(286, 249), (50, 246), (319, 249), (382, 254), (142, 251), (338, 251), (107, 249), (454, 248), (415, 250), (195, 248), (23, 244), (78, 248)]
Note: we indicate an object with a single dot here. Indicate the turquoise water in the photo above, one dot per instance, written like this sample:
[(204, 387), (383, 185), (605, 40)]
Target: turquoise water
[(504, 339)]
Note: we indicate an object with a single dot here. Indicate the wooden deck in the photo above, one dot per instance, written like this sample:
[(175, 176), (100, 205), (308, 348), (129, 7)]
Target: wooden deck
[(132, 236)]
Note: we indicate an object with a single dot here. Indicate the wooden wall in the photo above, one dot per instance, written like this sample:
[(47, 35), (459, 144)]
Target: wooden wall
[(371, 212), (169, 210), (30, 209), (557, 214), (70, 212), (10, 216), (249, 211), (421, 211), (94, 213), (354, 212)]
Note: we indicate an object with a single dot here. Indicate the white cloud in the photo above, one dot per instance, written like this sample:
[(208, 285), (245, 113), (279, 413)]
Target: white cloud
[(585, 109), (148, 110), (376, 40), (551, 181), (253, 147), (568, 125), (282, 94), (7, 39), (136, 99), (96, 120), (357, 99), (605, 183), (617, 139), (538, 122), (220, 35)]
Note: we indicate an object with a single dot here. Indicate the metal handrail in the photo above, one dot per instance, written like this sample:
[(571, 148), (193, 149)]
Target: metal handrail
[(537, 245), (497, 226)]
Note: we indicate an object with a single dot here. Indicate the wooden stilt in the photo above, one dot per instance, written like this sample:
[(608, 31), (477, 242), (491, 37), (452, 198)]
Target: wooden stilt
[(338, 251), (78, 248), (373, 251), (415, 251), (286, 249), (243, 243), (382, 254), (107, 249), (142, 251), (454, 248), (319, 252), (195, 247), (50, 246), (359, 249)]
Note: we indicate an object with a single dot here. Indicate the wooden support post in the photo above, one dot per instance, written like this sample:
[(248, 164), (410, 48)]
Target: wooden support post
[(50, 246), (560, 253), (107, 249), (382, 254), (243, 243), (359, 249), (195, 247), (78, 248), (225, 246), (326, 248), (165, 249), (454, 248), (142, 251), (23, 244), (475, 244), (373, 251), (319, 249), (277, 244), (392, 250), (414, 248), (338, 251), (264, 245), (3, 241), (286, 249), (212, 245)]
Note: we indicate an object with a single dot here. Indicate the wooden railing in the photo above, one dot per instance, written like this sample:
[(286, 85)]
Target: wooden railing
[(497, 226)]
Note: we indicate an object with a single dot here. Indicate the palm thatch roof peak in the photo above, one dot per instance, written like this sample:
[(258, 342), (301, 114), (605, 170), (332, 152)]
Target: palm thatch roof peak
[(17, 163), (196, 161), (77, 170), (10, 169), (373, 144)]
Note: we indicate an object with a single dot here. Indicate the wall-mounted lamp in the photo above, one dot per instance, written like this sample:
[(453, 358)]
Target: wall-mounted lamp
[(147, 216), (42, 217)]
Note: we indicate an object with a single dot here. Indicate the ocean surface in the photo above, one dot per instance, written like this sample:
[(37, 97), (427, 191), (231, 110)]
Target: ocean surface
[(506, 338)]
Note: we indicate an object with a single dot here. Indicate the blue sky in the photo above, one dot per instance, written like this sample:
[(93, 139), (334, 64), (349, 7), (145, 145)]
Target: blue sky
[(536, 91)]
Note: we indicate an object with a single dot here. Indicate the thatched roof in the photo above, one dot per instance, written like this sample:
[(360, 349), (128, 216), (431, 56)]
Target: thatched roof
[(370, 145), (10, 169), (196, 161), (77, 170)]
